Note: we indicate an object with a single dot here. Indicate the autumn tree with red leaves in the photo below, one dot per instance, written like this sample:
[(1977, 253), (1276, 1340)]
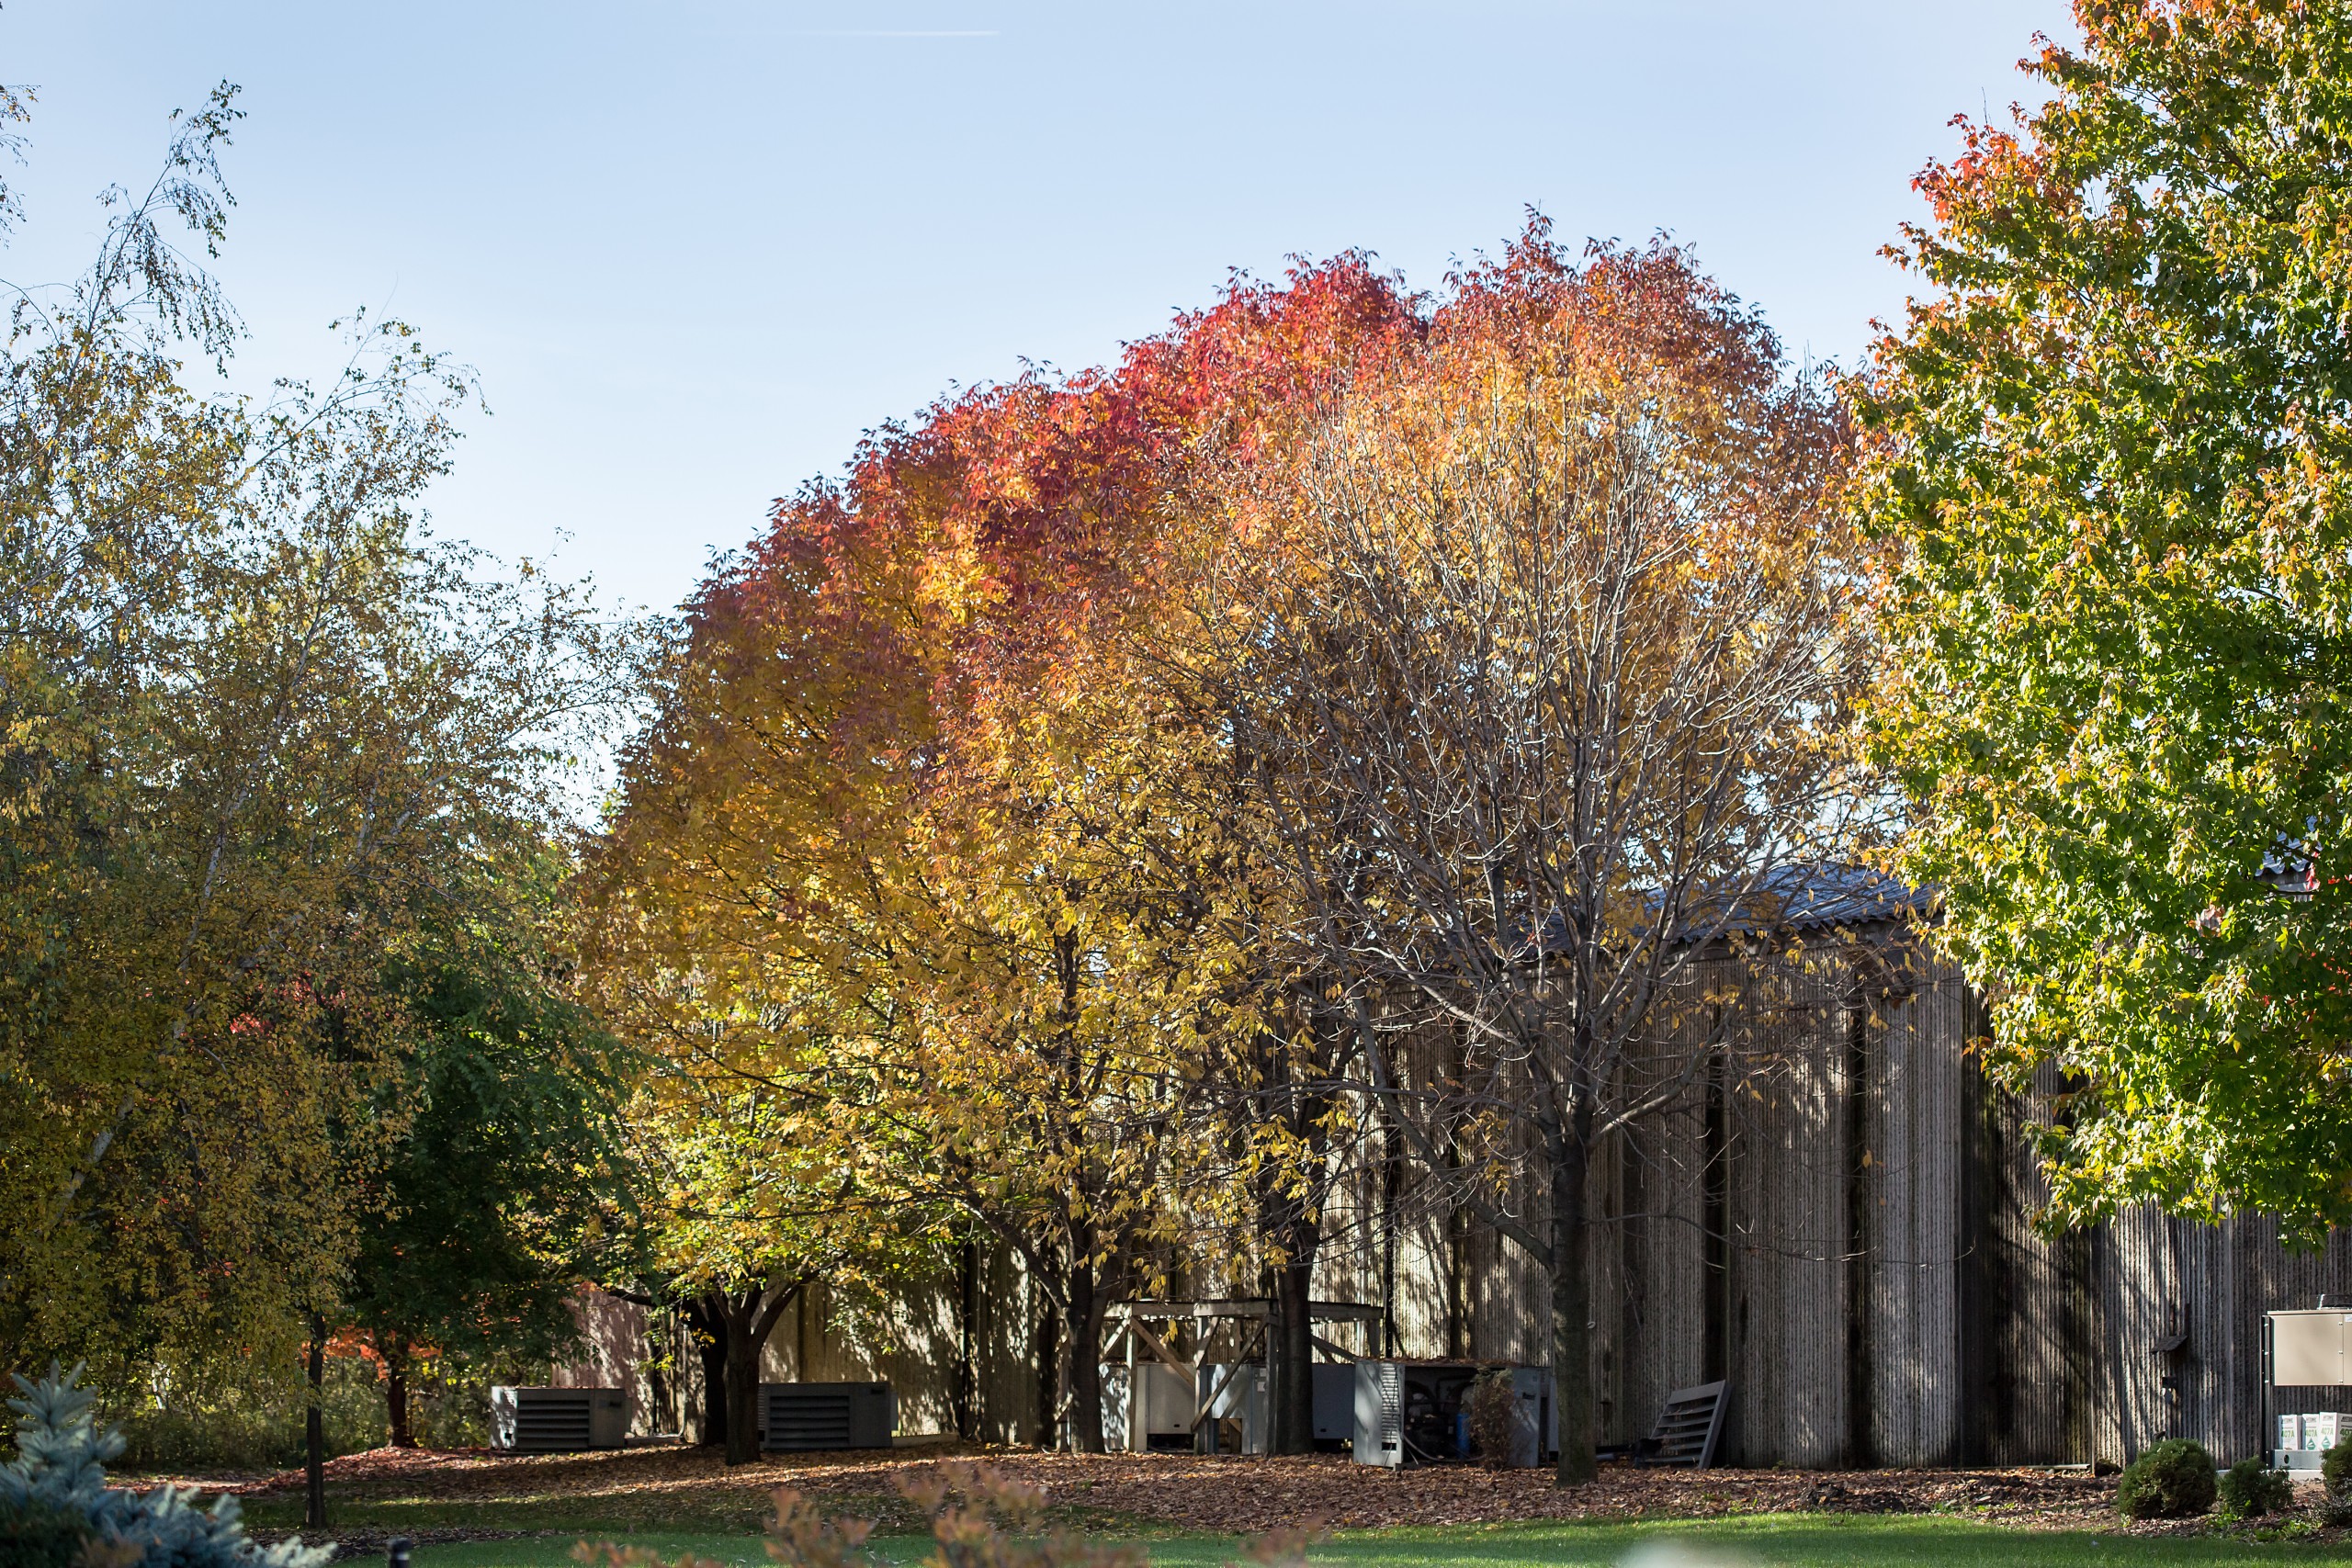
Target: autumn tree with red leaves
[(908, 846), (1078, 804), (1542, 642)]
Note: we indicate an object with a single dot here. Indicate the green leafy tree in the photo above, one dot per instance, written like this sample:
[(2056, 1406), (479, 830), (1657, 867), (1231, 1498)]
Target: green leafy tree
[(255, 724), (2112, 448), (503, 1195)]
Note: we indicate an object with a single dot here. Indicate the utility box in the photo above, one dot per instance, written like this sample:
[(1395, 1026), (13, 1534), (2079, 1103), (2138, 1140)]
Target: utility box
[(1247, 1397), (805, 1417), (1335, 1404), (2311, 1348), (1419, 1412), (557, 1420), (1160, 1407), (1235, 1393)]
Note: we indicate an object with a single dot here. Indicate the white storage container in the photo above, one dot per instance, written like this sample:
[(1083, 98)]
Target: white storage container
[(2326, 1429), (2290, 1433)]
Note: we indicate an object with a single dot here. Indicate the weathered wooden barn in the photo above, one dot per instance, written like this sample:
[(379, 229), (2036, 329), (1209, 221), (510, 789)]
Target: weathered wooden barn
[(1837, 1219)]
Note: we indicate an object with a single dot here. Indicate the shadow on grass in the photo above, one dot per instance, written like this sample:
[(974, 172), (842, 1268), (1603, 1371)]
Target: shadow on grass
[(1780, 1541)]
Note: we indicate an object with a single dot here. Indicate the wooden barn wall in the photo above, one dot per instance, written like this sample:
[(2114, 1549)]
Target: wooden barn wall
[(1793, 1286), (1906, 1211), (1837, 1217), (2029, 1309)]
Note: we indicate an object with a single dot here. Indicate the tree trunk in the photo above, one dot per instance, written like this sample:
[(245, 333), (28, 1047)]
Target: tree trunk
[(1048, 1345), (965, 1400), (742, 1380), (1571, 1311), (1291, 1359), (1083, 1356), (315, 1432), (707, 1324), (396, 1394), (749, 1321)]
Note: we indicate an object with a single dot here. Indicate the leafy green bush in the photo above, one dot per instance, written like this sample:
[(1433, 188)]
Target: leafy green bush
[(2251, 1488), (2173, 1480), (223, 1423), (59, 1468), (2336, 1476)]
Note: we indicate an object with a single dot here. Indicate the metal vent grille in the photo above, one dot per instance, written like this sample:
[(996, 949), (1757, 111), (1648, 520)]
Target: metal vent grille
[(1392, 1405), (805, 1418), (1689, 1426), (551, 1420)]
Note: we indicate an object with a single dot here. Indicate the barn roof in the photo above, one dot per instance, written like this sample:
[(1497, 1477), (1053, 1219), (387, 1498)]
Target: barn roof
[(1795, 898)]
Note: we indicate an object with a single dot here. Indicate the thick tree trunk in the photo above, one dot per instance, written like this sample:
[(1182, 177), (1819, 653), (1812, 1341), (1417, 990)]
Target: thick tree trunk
[(1571, 1311), (1084, 1336), (1291, 1358), (749, 1321), (742, 1379), (396, 1360), (707, 1324)]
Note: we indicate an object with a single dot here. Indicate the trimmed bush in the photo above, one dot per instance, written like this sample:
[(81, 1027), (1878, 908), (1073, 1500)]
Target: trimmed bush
[(2250, 1489), (2173, 1480)]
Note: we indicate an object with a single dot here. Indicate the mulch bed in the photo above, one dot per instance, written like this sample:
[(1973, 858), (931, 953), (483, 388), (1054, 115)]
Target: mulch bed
[(1228, 1495)]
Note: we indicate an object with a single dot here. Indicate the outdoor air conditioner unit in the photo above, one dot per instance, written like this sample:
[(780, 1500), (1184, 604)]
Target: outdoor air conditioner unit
[(1160, 1407), (1247, 1398), (803, 1417), (1418, 1412), (557, 1420)]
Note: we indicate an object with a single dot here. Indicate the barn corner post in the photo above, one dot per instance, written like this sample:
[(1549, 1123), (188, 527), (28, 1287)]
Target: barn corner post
[(1571, 1159)]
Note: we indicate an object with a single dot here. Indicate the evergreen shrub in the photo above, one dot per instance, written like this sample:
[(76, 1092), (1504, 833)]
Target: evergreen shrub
[(2251, 1488), (2173, 1480), (34, 1534)]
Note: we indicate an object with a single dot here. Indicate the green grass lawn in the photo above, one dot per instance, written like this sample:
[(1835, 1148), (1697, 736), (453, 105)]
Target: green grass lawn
[(1782, 1541)]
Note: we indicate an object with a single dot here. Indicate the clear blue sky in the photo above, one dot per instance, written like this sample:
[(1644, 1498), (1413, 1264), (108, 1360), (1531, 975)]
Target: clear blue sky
[(694, 247)]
